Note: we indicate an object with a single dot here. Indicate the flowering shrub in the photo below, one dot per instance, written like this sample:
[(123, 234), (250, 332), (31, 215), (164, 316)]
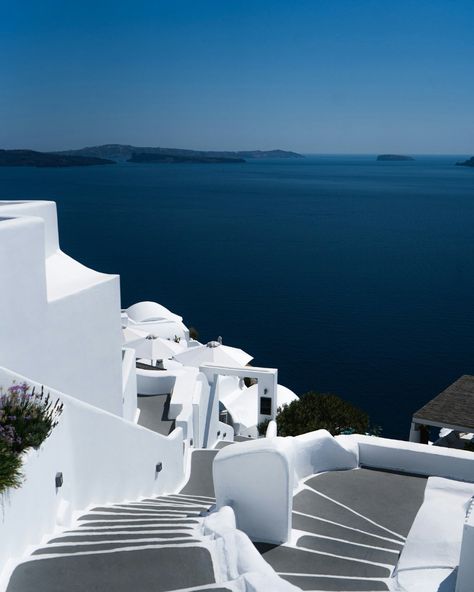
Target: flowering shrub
[(27, 418), (10, 468)]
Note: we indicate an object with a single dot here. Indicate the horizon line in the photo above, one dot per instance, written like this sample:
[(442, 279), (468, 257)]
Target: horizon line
[(303, 153)]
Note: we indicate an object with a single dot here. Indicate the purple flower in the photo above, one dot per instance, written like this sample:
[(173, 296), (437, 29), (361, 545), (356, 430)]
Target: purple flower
[(7, 434)]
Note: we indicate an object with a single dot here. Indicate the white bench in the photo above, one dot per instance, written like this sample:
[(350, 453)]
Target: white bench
[(433, 546)]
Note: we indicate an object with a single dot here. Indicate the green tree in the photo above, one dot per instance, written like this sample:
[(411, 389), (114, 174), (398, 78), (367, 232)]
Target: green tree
[(193, 333), (315, 411)]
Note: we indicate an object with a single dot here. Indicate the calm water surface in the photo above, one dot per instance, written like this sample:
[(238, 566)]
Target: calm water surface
[(349, 275)]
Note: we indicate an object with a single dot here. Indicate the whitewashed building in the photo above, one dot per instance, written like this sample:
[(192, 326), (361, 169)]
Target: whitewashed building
[(155, 478)]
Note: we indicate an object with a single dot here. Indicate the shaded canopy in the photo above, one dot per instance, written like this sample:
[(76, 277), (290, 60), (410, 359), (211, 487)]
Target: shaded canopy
[(453, 408)]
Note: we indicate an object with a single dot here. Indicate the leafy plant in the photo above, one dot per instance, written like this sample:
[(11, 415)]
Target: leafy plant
[(262, 427), (469, 446), (193, 333), (10, 468), (314, 411), (27, 417)]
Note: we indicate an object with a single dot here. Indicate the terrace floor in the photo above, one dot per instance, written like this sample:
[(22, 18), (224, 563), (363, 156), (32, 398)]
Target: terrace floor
[(349, 529)]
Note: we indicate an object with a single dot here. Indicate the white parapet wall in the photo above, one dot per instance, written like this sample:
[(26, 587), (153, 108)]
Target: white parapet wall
[(256, 480), (155, 382), (60, 321), (103, 459), (236, 558), (411, 457)]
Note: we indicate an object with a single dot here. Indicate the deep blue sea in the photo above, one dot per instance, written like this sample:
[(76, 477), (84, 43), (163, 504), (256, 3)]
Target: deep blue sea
[(349, 275)]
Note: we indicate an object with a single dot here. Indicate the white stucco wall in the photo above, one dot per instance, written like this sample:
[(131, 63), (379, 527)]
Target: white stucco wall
[(129, 384), (60, 321), (103, 458), (46, 210), (206, 410), (155, 382), (200, 402), (255, 479), (317, 452), (411, 457)]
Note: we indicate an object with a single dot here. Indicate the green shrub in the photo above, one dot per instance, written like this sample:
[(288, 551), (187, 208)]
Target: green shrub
[(314, 411), (469, 446), (27, 417), (193, 333), (262, 427), (10, 468)]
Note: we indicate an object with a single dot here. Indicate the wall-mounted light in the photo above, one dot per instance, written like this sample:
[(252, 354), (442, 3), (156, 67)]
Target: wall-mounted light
[(159, 467), (59, 480)]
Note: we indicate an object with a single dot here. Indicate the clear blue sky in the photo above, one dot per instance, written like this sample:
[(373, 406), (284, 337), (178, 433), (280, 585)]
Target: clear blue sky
[(327, 76)]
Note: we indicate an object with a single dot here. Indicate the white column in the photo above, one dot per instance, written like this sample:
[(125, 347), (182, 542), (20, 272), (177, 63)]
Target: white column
[(267, 396)]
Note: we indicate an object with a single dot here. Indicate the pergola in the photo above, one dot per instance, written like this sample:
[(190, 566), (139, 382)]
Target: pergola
[(452, 409)]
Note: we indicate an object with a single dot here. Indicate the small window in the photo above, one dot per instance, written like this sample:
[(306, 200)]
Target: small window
[(265, 405)]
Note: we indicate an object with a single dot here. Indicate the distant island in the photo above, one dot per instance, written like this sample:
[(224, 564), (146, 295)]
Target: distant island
[(467, 163), (125, 152), (164, 157), (113, 153), (32, 158), (394, 157)]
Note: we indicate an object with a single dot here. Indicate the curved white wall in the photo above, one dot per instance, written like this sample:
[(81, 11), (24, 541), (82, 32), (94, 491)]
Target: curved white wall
[(255, 479), (155, 382)]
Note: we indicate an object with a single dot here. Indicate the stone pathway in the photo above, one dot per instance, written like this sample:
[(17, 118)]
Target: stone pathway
[(151, 545)]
